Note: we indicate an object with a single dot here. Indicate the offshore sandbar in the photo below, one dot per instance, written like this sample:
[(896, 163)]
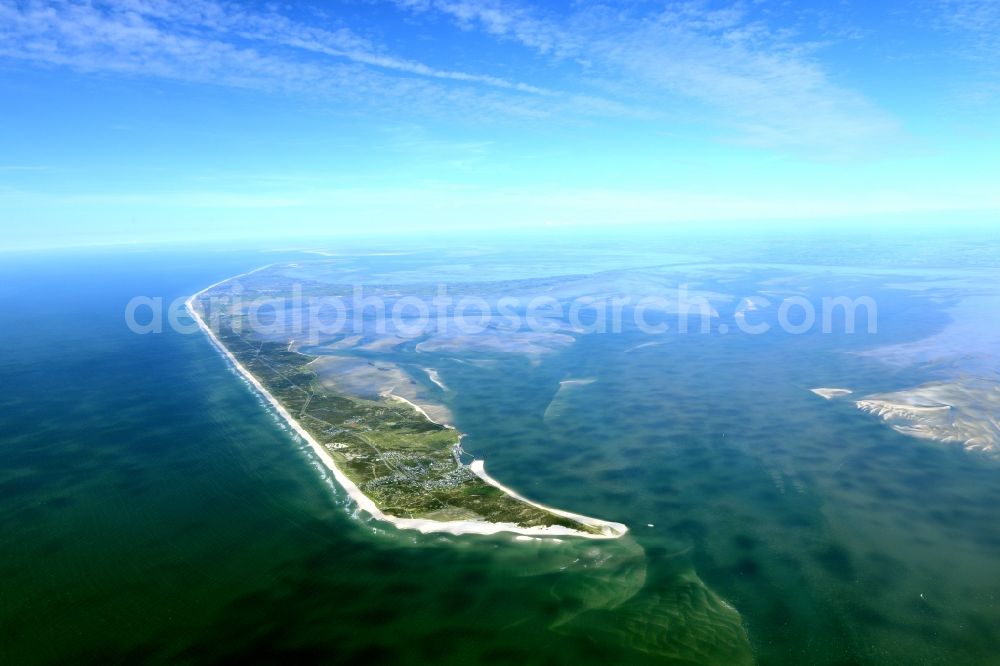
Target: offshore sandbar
[(831, 393)]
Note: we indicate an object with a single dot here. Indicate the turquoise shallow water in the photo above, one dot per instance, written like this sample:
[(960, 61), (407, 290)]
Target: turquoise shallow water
[(153, 509)]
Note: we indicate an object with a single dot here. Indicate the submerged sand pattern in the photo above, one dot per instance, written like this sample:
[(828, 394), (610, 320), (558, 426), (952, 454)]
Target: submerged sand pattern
[(963, 412)]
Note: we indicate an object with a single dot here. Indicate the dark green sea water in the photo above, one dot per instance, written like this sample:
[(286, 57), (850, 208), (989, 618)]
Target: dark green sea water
[(151, 508)]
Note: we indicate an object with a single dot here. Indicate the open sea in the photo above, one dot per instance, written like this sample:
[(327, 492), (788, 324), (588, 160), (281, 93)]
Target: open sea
[(153, 509)]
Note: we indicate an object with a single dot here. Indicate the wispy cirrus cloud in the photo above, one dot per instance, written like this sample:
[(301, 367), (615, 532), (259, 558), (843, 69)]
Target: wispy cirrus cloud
[(769, 89), (978, 23), (723, 67), (765, 84), (974, 26), (92, 38), (521, 23), (226, 44)]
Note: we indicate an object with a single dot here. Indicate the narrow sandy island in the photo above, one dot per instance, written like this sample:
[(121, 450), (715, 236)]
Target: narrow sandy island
[(831, 393), (433, 375), (602, 529), (577, 382)]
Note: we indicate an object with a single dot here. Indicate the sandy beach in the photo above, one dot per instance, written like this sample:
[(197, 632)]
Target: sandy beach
[(399, 398), (610, 529)]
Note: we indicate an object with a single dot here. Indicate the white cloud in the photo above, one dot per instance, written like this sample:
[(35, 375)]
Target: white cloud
[(978, 21), (722, 67), (204, 41), (765, 87), (974, 26)]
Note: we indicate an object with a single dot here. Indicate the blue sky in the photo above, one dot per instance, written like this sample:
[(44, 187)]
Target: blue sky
[(145, 120)]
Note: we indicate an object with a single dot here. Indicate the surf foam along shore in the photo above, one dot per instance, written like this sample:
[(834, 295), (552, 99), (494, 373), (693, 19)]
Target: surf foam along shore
[(605, 529)]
